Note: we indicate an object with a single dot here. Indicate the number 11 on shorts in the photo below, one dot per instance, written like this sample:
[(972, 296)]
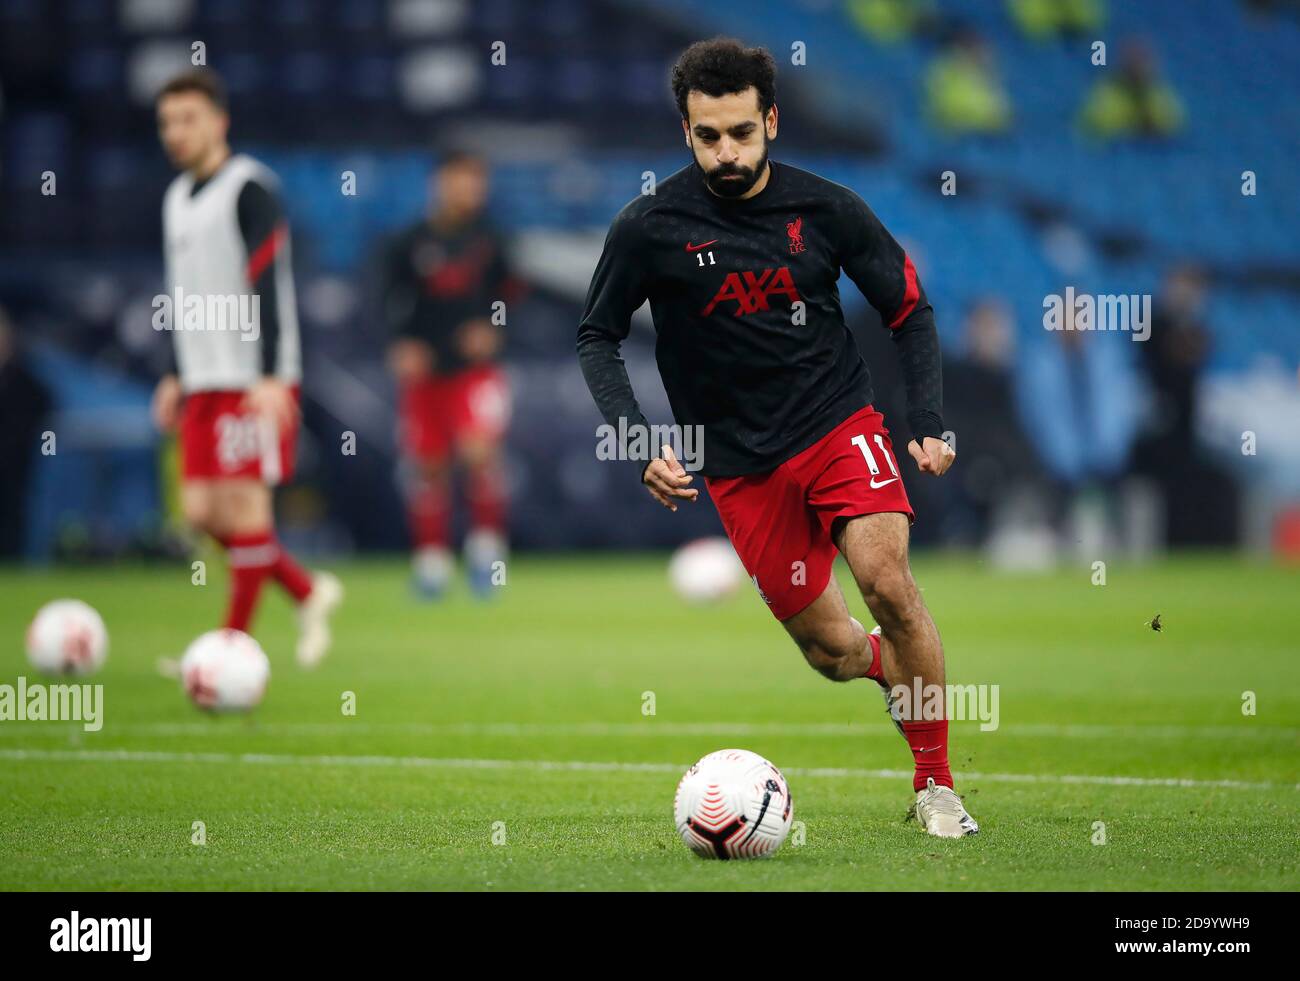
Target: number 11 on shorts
[(861, 443)]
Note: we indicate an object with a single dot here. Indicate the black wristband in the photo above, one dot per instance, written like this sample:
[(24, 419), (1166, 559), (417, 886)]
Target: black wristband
[(923, 424)]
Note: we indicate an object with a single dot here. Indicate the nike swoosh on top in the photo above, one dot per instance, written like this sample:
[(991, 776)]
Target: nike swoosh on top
[(696, 248), (877, 486)]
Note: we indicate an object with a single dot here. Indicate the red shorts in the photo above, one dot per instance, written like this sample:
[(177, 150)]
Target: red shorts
[(780, 521), (436, 413), (220, 439)]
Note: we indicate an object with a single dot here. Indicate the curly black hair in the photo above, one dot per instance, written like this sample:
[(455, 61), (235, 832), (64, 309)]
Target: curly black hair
[(721, 66)]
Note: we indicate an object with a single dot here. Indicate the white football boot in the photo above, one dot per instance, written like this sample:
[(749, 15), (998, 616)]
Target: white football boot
[(940, 812), (314, 618)]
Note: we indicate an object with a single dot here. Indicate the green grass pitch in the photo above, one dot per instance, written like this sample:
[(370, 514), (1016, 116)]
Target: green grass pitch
[(503, 745)]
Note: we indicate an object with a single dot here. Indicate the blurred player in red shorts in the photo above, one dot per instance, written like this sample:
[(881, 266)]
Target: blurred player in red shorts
[(446, 288), (233, 395)]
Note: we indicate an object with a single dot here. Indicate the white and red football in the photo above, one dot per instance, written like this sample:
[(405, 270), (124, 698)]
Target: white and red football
[(67, 636), (733, 804), (705, 570), (225, 671)]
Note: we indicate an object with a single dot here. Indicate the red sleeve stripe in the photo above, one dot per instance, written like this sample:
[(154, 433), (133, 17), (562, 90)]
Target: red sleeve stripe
[(910, 295), (265, 253)]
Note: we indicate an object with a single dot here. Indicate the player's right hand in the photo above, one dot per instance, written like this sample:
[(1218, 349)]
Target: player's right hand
[(667, 480), (166, 404)]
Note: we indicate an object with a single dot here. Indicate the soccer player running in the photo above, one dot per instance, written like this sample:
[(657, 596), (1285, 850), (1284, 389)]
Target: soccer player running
[(444, 277), (233, 395), (739, 257)]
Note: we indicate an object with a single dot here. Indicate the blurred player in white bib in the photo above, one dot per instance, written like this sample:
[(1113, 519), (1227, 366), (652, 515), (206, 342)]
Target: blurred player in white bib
[(233, 395)]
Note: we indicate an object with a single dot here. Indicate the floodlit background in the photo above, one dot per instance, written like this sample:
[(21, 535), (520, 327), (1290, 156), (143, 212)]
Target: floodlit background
[(1122, 178)]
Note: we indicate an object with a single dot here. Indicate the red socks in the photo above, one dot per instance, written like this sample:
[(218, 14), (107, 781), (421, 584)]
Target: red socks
[(486, 498), (428, 505), (927, 738), (929, 743), (294, 578), (252, 559), (428, 509), (876, 673)]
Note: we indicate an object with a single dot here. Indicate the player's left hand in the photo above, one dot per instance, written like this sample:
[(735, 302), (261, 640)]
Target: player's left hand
[(934, 457), (273, 399)]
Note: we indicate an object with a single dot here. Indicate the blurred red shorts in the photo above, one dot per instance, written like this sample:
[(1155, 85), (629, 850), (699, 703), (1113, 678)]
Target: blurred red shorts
[(437, 413), (219, 439)]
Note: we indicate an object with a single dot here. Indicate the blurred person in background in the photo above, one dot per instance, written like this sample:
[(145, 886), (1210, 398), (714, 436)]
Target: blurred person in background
[(891, 21), (1135, 101), (963, 90), (1044, 20), (233, 394), (999, 463), (24, 404), (446, 283), (1078, 401), (1167, 451)]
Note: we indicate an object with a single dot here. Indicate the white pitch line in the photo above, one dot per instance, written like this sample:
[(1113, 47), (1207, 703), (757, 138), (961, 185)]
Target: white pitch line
[(659, 728), (277, 759)]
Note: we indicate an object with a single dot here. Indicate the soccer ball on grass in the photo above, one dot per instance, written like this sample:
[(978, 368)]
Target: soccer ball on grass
[(225, 671), (67, 636), (733, 804)]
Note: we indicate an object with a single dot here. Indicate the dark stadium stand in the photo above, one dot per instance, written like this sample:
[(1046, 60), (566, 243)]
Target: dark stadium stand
[(377, 87)]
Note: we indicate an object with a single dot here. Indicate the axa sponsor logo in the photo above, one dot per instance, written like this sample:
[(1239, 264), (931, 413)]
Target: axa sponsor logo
[(752, 292)]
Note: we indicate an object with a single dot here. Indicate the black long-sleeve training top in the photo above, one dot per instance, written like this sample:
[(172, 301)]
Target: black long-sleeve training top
[(436, 278), (764, 377)]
